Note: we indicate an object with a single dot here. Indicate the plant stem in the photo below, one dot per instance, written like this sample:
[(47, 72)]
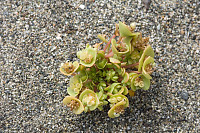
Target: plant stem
[(73, 74), (135, 72), (131, 65), (109, 55), (120, 38), (108, 43)]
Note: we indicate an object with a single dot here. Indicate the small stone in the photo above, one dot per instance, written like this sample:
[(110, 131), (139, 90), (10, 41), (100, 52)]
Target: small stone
[(182, 32), (194, 37), (189, 67), (170, 30), (109, 6), (18, 71), (82, 6), (190, 59), (158, 27), (147, 3), (128, 128), (184, 95)]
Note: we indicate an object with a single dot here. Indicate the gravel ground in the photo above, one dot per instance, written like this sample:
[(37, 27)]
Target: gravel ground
[(35, 37)]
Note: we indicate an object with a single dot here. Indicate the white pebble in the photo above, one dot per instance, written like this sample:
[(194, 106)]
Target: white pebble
[(82, 6)]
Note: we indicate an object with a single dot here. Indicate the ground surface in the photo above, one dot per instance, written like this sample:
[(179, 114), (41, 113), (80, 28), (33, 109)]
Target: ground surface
[(35, 37)]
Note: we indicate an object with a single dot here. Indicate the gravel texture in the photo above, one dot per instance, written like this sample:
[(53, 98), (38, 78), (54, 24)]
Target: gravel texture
[(35, 37)]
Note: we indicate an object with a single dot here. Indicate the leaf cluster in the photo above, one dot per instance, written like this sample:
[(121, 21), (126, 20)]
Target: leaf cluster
[(106, 76)]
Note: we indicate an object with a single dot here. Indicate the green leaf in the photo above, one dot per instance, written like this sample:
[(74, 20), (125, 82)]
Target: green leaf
[(120, 97), (126, 78), (113, 86), (102, 38), (125, 92), (146, 83), (146, 62), (101, 63), (115, 61), (89, 96), (87, 54), (124, 30), (100, 54), (127, 40), (83, 76), (112, 113), (147, 52), (114, 49), (134, 76), (67, 100), (75, 86), (145, 80), (69, 68)]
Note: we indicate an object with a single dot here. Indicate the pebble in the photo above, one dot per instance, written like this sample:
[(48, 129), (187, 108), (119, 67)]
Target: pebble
[(82, 6), (18, 71), (182, 32), (184, 95), (147, 3)]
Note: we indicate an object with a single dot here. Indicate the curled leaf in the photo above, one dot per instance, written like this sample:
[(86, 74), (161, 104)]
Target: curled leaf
[(147, 52), (123, 90), (126, 78), (147, 67), (119, 49), (117, 98), (69, 68), (101, 63), (87, 56), (117, 109), (140, 82), (74, 103), (127, 41), (114, 86), (102, 38), (89, 99), (124, 30), (75, 86)]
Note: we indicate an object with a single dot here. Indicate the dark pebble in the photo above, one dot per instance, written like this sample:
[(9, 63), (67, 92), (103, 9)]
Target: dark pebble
[(185, 95), (128, 128), (147, 3)]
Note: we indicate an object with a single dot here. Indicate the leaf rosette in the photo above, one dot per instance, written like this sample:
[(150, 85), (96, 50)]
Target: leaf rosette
[(68, 68), (87, 56), (89, 99), (75, 86), (147, 67), (117, 98), (139, 82), (74, 103), (117, 109), (147, 52)]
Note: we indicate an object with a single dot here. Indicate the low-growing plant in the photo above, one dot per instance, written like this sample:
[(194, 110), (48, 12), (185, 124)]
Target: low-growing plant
[(106, 76)]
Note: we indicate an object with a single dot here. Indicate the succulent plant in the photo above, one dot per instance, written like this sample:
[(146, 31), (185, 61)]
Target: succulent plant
[(106, 76)]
